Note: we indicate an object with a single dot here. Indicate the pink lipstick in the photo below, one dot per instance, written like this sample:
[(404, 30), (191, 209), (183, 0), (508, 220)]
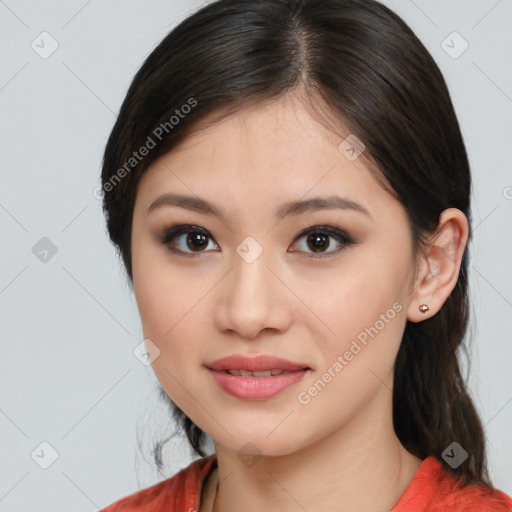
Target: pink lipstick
[(256, 378)]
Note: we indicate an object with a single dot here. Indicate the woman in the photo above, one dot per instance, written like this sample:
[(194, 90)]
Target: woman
[(289, 190)]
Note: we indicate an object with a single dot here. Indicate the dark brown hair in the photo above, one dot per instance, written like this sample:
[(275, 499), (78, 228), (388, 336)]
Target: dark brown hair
[(363, 62)]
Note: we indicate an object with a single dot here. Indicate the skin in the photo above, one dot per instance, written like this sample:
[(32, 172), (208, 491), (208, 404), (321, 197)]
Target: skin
[(339, 451)]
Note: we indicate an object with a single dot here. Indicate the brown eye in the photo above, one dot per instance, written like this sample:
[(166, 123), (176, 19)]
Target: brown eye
[(318, 240), (186, 239), (196, 240)]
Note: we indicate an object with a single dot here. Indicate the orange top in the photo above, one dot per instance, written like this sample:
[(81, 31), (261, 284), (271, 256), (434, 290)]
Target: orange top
[(432, 489)]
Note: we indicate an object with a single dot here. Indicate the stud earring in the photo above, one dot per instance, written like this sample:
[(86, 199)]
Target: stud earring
[(423, 308)]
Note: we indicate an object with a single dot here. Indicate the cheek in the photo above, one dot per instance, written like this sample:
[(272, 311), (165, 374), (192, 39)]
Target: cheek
[(163, 292), (364, 307), (368, 317), (170, 314), (166, 306), (354, 298), (171, 300)]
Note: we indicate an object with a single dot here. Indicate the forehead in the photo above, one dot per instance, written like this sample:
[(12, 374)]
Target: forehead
[(275, 137), (269, 123), (269, 153)]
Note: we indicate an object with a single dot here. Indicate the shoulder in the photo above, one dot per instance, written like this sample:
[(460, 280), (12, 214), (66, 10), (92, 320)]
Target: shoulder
[(434, 489), (180, 492), (455, 496)]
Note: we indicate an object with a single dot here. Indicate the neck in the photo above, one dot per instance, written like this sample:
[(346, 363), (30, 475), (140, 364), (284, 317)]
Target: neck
[(360, 466)]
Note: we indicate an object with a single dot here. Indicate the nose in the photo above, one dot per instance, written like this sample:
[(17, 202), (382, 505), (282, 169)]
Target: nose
[(252, 298)]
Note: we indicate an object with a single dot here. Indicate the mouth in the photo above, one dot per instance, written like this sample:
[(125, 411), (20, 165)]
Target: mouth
[(255, 365), (259, 377), (261, 374)]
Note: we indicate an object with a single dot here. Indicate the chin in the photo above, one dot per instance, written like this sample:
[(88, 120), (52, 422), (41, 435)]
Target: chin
[(258, 443)]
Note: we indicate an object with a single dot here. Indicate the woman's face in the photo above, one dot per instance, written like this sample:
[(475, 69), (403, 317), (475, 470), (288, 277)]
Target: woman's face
[(247, 282)]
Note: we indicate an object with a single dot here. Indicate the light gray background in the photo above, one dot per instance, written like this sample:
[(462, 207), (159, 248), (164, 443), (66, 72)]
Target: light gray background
[(69, 325)]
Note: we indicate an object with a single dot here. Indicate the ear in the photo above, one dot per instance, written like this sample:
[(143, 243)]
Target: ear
[(438, 267)]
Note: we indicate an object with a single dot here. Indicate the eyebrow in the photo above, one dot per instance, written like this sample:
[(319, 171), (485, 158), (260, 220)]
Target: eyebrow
[(199, 205)]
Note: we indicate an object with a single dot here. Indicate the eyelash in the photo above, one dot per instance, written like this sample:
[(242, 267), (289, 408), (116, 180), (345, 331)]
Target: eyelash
[(340, 236)]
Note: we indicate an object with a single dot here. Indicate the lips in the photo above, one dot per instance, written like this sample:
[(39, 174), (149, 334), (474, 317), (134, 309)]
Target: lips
[(256, 378), (259, 366), (263, 373)]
